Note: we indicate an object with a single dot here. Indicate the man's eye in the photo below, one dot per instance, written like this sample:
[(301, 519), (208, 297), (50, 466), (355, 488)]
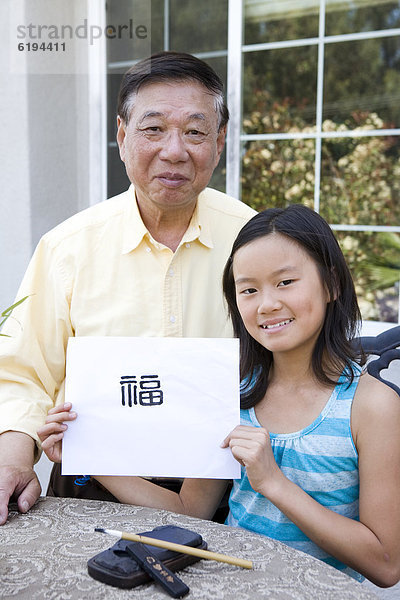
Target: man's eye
[(151, 129), (196, 133)]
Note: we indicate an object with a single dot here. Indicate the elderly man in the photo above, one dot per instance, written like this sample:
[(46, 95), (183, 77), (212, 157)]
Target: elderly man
[(145, 263)]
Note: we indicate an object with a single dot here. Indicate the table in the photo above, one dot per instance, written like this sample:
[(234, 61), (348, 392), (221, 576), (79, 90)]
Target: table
[(43, 554)]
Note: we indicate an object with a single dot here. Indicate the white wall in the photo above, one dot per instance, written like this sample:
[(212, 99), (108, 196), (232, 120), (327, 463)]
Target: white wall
[(46, 138), (15, 209)]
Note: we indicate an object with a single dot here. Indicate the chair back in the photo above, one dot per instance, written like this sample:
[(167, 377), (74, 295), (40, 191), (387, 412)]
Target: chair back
[(386, 347)]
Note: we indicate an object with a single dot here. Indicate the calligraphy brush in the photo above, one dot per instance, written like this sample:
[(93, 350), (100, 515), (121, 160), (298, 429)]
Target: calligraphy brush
[(133, 537)]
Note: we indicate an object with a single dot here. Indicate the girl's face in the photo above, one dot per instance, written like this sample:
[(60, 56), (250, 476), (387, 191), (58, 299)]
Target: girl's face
[(279, 294)]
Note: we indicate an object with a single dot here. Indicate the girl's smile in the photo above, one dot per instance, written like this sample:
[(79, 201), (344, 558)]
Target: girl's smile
[(272, 326)]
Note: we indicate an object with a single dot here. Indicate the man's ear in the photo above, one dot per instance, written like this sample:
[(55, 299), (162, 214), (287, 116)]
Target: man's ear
[(220, 142), (121, 132)]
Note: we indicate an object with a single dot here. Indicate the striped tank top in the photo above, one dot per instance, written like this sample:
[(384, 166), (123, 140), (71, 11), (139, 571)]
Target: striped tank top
[(321, 459)]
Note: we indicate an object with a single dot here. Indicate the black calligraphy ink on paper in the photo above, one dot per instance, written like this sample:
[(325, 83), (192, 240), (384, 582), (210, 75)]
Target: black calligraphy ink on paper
[(149, 392), (128, 387)]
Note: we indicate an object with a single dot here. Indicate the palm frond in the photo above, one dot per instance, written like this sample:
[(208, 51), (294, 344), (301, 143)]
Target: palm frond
[(7, 313)]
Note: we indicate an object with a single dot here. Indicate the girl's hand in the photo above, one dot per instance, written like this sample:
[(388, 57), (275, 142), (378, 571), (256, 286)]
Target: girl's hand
[(251, 447), (52, 433)]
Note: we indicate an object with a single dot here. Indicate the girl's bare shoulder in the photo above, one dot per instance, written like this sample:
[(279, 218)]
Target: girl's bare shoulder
[(375, 402), (370, 388)]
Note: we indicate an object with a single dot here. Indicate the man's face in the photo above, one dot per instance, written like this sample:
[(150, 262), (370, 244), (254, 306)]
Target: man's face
[(171, 144)]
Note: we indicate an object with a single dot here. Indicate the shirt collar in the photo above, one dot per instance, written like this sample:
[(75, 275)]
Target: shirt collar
[(134, 230), (199, 226)]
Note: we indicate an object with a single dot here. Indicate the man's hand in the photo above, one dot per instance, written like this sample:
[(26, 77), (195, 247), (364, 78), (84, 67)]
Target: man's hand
[(18, 481), (21, 484)]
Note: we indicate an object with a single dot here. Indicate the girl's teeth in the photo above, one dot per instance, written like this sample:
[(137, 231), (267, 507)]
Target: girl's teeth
[(276, 324)]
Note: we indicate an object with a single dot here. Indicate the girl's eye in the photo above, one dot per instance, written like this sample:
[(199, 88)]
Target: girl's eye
[(249, 291), (285, 282)]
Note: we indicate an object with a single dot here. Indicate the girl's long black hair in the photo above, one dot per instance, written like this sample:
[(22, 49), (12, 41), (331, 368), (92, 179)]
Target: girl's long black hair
[(342, 318)]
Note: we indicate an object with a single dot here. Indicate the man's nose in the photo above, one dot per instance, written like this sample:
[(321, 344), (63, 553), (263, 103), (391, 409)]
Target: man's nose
[(173, 147)]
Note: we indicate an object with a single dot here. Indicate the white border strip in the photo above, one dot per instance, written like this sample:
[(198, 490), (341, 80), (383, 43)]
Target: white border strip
[(97, 92), (309, 135), (319, 107), (166, 24), (329, 39), (373, 228), (234, 98)]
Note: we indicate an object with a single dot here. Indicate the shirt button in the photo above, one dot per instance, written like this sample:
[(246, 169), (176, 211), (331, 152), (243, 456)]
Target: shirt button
[(187, 245), (171, 272), (148, 249), (172, 319)]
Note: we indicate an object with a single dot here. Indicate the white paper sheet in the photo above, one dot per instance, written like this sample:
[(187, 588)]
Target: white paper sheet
[(187, 401)]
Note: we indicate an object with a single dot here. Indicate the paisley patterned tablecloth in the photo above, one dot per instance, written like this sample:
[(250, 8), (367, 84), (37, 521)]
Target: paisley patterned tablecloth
[(43, 554)]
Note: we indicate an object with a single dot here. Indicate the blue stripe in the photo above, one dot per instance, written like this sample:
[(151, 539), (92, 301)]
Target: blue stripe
[(288, 457), (336, 498), (284, 532), (334, 426)]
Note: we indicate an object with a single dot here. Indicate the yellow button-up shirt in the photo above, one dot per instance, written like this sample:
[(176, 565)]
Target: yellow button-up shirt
[(100, 273)]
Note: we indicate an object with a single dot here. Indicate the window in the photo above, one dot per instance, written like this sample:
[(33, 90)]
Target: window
[(316, 118)]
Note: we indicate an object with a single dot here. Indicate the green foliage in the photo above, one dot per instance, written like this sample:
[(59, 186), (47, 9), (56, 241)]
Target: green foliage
[(7, 313), (376, 271), (384, 271)]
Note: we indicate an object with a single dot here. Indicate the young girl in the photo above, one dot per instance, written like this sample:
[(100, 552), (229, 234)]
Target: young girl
[(319, 440)]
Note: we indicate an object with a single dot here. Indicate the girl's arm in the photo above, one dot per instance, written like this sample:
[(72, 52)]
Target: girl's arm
[(372, 545), (198, 497)]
